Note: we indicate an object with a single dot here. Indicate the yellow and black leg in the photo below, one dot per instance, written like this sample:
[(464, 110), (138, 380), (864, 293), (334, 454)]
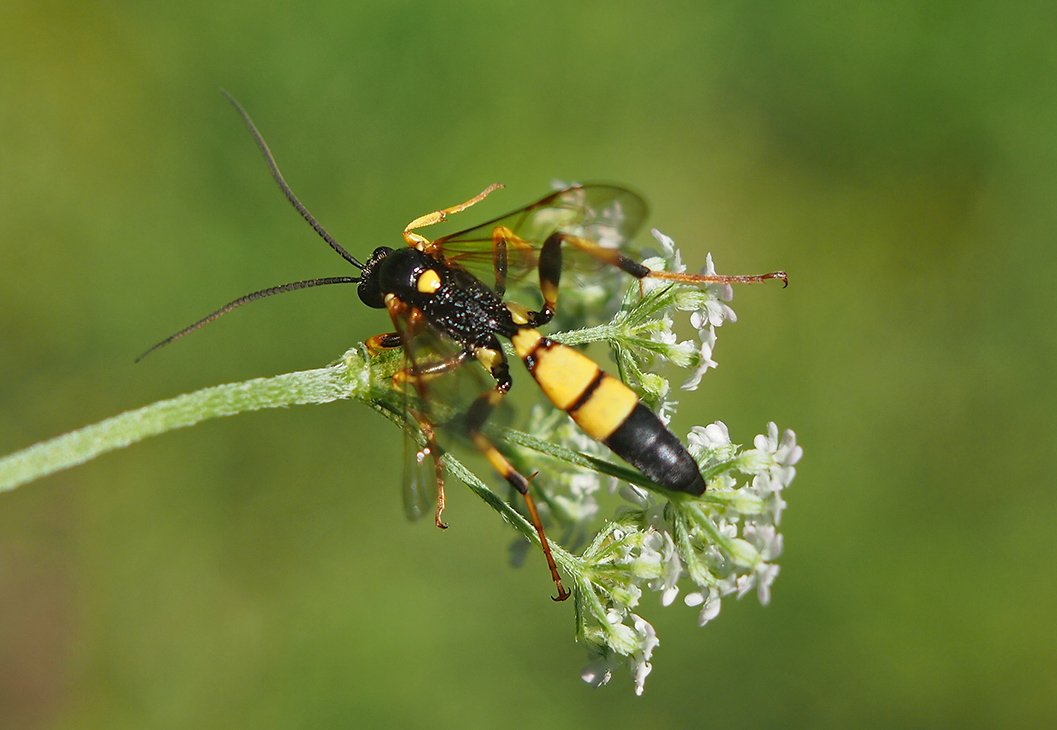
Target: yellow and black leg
[(416, 376), (504, 240), (479, 412)]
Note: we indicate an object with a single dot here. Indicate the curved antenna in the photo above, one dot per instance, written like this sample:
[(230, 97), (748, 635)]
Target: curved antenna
[(274, 168), (261, 294)]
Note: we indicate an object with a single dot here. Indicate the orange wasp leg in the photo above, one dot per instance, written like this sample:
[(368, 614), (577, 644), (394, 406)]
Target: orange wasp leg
[(384, 341), (550, 267), (504, 239), (429, 219), (476, 416), (416, 376), (433, 449)]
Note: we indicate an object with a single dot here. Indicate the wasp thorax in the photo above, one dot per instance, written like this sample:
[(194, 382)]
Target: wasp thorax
[(428, 281)]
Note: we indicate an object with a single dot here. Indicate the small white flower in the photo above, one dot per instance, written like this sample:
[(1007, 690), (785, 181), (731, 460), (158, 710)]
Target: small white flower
[(710, 604), (765, 538), (710, 443), (711, 312), (723, 292), (666, 410), (707, 341), (648, 641), (669, 567), (727, 585), (673, 260), (764, 578), (784, 454), (713, 436), (761, 578)]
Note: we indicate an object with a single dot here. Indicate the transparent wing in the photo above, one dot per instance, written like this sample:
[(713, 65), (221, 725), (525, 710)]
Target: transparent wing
[(609, 215), (419, 480), (436, 403)]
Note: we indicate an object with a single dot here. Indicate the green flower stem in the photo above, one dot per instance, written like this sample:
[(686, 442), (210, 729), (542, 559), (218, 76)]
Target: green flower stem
[(593, 463), (323, 385), (708, 527), (587, 335), (351, 378)]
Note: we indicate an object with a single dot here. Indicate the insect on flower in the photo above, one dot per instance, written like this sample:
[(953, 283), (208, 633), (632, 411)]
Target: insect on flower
[(447, 301)]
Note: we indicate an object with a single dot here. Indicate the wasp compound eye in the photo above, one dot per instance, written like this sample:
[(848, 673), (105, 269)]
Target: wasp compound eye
[(369, 290)]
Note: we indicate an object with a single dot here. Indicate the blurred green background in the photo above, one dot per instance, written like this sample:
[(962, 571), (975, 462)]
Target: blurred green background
[(898, 159)]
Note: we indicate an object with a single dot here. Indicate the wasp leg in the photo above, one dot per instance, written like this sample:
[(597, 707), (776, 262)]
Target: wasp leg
[(491, 355), (408, 321), (499, 261), (433, 449), (720, 278), (417, 376), (550, 267), (429, 219), (384, 341), (504, 239)]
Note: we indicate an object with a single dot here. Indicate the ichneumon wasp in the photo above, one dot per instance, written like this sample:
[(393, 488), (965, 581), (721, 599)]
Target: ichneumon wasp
[(446, 300)]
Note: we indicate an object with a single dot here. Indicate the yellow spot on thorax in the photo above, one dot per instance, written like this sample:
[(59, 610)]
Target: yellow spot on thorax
[(428, 281)]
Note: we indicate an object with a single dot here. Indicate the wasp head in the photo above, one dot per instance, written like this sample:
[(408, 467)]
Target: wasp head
[(370, 291), (396, 272)]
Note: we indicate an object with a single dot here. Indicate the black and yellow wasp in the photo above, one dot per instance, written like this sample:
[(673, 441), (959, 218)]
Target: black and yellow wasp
[(445, 298)]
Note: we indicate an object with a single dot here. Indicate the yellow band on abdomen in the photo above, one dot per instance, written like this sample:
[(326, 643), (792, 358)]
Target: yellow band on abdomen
[(563, 373), (607, 407)]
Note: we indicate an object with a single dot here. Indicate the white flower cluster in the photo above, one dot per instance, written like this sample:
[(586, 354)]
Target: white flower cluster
[(645, 328), (720, 544), (755, 507)]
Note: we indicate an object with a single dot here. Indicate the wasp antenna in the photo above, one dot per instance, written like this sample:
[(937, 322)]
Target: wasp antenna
[(270, 291), (274, 168)]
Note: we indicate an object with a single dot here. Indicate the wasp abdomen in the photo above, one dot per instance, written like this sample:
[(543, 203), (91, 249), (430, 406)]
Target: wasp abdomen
[(608, 411), (647, 444)]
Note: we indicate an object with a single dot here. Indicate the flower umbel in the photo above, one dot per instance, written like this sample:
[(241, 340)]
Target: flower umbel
[(720, 544)]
